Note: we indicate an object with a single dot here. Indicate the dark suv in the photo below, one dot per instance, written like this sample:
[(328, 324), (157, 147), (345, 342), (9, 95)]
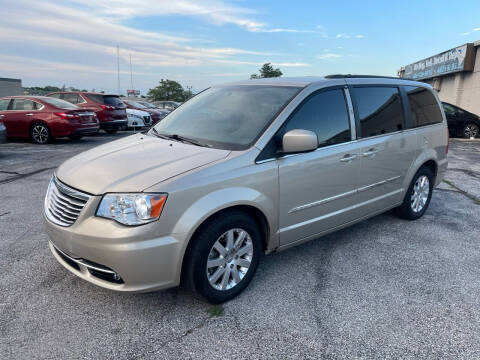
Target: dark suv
[(110, 110)]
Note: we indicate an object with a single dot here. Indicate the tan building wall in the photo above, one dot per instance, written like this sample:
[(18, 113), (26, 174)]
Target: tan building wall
[(461, 89)]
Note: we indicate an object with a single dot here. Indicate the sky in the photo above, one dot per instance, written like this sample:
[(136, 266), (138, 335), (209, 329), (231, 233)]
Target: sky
[(205, 42)]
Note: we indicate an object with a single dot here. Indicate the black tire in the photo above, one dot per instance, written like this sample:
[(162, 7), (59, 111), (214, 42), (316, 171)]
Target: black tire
[(195, 269), (40, 134), (75, 137), (406, 210), (470, 131), (111, 130)]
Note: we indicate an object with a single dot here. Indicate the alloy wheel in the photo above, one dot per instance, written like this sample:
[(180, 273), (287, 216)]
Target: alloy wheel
[(421, 190), (471, 131), (229, 259), (40, 134)]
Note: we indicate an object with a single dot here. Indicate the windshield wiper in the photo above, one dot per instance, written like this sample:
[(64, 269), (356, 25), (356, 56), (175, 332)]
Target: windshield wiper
[(180, 138)]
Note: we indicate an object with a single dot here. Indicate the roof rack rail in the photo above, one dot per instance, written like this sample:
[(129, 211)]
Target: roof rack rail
[(341, 76)]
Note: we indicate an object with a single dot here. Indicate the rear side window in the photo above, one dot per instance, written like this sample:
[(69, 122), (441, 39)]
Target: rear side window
[(22, 104), (110, 100), (324, 113), (56, 96), (425, 109), (4, 104), (379, 109), (71, 98)]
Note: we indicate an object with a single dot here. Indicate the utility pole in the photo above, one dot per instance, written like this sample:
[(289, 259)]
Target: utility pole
[(118, 70), (131, 73)]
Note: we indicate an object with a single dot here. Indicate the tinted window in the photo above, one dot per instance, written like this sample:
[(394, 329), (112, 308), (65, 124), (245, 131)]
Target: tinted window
[(425, 109), (135, 104), (71, 98), (379, 109), (61, 104), (111, 100), (324, 113), (229, 117), (449, 109), (56, 96), (4, 104), (22, 104)]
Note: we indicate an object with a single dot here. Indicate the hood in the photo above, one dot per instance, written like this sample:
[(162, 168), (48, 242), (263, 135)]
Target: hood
[(133, 164)]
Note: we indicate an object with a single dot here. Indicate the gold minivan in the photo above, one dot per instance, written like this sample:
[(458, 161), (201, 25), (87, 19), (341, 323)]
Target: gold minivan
[(244, 169)]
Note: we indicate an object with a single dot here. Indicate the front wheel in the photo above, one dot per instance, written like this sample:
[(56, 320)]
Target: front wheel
[(418, 195), (40, 134), (470, 131), (224, 256)]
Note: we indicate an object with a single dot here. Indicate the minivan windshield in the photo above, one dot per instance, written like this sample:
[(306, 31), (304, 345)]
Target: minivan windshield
[(229, 117)]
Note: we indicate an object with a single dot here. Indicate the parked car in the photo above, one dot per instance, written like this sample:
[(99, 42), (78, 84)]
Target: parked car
[(3, 131), (42, 118), (152, 106), (243, 169), (156, 114), (138, 119), (461, 122), (168, 105), (110, 110)]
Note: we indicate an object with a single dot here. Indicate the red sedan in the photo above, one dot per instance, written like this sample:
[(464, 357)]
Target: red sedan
[(42, 119)]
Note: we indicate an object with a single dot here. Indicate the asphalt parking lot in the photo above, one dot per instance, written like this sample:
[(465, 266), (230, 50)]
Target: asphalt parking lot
[(384, 288)]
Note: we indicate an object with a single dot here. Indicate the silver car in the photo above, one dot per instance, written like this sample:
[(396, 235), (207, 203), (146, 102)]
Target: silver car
[(240, 170)]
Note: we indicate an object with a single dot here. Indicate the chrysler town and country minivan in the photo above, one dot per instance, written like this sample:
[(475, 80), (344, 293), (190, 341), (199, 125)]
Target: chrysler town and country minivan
[(244, 169)]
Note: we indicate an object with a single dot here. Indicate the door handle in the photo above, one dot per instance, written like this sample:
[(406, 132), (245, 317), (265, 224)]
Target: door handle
[(348, 158), (370, 152), (2, 116), (29, 114)]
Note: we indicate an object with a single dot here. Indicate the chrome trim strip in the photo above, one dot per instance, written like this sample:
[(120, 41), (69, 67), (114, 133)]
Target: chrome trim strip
[(340, 196), (368, 187), (323, 201), (82, 262), (326, 216), (69, 191), (351, 113)]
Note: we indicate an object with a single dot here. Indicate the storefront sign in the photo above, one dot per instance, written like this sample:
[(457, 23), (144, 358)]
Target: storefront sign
[(461, 58)]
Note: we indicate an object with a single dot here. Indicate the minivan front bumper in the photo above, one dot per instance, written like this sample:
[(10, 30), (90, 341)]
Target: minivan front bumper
[(127, 259)]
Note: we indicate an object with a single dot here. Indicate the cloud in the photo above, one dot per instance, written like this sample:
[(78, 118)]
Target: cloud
[(347, 36), (214, 11), (472, 31), (329, 56)]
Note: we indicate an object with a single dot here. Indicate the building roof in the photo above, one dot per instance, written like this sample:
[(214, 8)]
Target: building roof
[(10, 79)]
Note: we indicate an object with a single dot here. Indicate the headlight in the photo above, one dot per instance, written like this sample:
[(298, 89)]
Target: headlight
[(132, 209)]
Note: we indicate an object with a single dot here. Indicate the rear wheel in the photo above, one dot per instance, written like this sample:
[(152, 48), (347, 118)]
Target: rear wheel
[(40, 133), (418, 195), (470, 131), (224, 257)]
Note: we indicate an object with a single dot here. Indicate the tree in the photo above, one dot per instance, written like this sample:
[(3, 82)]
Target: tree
[(267, 71), (167, 90)]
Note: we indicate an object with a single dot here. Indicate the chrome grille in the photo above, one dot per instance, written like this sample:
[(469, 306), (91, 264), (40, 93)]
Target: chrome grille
[(63, 204)]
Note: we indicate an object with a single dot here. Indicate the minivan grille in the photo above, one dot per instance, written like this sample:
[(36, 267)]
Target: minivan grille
[(63, 204)]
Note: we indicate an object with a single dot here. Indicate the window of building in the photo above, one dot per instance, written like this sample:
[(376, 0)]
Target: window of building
[(379, 109), (325, 113), (425, 109)]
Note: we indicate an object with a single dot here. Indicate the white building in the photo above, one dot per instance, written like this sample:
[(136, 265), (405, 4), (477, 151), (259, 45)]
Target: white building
[(454, 74)]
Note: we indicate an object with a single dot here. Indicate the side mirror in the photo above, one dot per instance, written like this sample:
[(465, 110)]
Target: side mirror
[(296, 141)]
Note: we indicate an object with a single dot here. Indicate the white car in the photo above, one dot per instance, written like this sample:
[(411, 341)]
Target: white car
[(138, 119)]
